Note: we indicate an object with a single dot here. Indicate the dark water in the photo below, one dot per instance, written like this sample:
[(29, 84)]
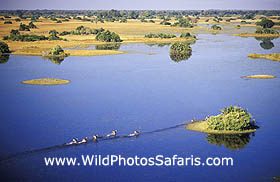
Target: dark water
[(147, 92)]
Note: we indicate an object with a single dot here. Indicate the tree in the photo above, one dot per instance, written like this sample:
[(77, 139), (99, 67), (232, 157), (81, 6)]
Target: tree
[(53, 32), (4, 48), (216, 27), (108, 36), (180, 51), (231, 118), (23, 27), (265, 23), (31, 25)]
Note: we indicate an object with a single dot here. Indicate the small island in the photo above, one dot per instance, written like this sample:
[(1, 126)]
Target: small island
[(46, 81), (273, 57), (232, 120), (260, 76)]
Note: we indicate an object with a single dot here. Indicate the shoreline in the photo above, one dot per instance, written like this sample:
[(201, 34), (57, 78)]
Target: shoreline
[(201, 126)]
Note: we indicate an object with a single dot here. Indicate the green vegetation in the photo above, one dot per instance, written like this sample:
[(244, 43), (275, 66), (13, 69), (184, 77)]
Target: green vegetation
[(4, 52), (164, 22), (115, 46), (266, 31), (180, 51), (53, 35), (265, 23), (8, 22), (266, 42), (32, 25), (132, 14), (23, 27), (81, 30), (231, 118), (160, 35), (16, 36), (56, 55), (4, 48), (108, 36), (56, 51), (216, 27), (183, 23), (187, 35), (123, 20)]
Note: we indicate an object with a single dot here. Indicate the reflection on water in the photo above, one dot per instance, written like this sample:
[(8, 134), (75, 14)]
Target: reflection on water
[(54, 60), (177, 57), (4, 58), (232, 142), (158, 44), (266, 42), (115, 46)]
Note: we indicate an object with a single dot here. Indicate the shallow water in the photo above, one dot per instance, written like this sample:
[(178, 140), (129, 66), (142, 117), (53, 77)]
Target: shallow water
[(147, 92)]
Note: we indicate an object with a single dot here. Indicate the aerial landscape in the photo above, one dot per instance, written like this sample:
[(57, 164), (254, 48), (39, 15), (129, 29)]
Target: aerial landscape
[(129, 91)]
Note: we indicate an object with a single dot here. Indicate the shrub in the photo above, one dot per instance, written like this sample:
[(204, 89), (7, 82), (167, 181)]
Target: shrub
[(216, 27), (231, 118), (183, 23), (17, 19), (53, 35), (115, 46), (4, 48), (180, 51), (123, 20), (265, 23), (16, 36), (187, 35), (23, 27), (64, 33), (143, 20), (56, 54), (266, 31), (108, 36), (56, 51), (8, 22), (32, 25), (151, 21), (160, 35), (81, 30), (164, 22), (59, 21)]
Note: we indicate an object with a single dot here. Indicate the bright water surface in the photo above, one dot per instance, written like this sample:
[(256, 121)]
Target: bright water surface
[(136, 90)]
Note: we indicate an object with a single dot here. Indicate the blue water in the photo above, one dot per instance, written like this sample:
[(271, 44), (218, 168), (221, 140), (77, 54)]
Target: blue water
[(139, 91)]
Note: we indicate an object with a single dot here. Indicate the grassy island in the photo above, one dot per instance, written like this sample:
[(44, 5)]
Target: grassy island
[(260, 76), (232, 120), (46, 81), (273, 57)]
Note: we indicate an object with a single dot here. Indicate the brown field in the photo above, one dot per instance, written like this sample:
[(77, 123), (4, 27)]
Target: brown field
[(131, 32)]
